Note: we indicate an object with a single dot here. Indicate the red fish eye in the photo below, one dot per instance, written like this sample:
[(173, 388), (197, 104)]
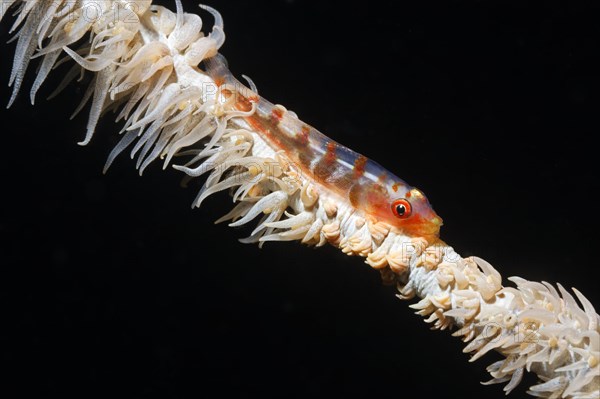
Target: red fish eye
[(401, 208)]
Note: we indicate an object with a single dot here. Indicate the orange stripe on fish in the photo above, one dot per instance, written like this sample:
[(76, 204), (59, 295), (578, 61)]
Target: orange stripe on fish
[(359, 166), (330, 156)]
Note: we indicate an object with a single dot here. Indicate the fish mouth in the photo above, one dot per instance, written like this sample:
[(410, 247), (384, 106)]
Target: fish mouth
[(423, 226), (437, 221), (432, 226)]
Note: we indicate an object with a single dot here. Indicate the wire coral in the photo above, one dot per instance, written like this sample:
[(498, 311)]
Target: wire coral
[(145, 62)]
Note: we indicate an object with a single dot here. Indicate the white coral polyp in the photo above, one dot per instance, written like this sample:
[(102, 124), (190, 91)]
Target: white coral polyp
[(144, 61)]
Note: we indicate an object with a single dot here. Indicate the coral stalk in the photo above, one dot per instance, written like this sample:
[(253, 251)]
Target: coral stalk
[(144, 62)]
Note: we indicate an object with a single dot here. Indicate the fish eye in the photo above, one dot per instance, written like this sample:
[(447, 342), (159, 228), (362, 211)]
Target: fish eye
[(401, 208)]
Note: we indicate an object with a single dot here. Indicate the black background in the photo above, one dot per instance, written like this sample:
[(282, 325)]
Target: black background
[(112, 287)]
